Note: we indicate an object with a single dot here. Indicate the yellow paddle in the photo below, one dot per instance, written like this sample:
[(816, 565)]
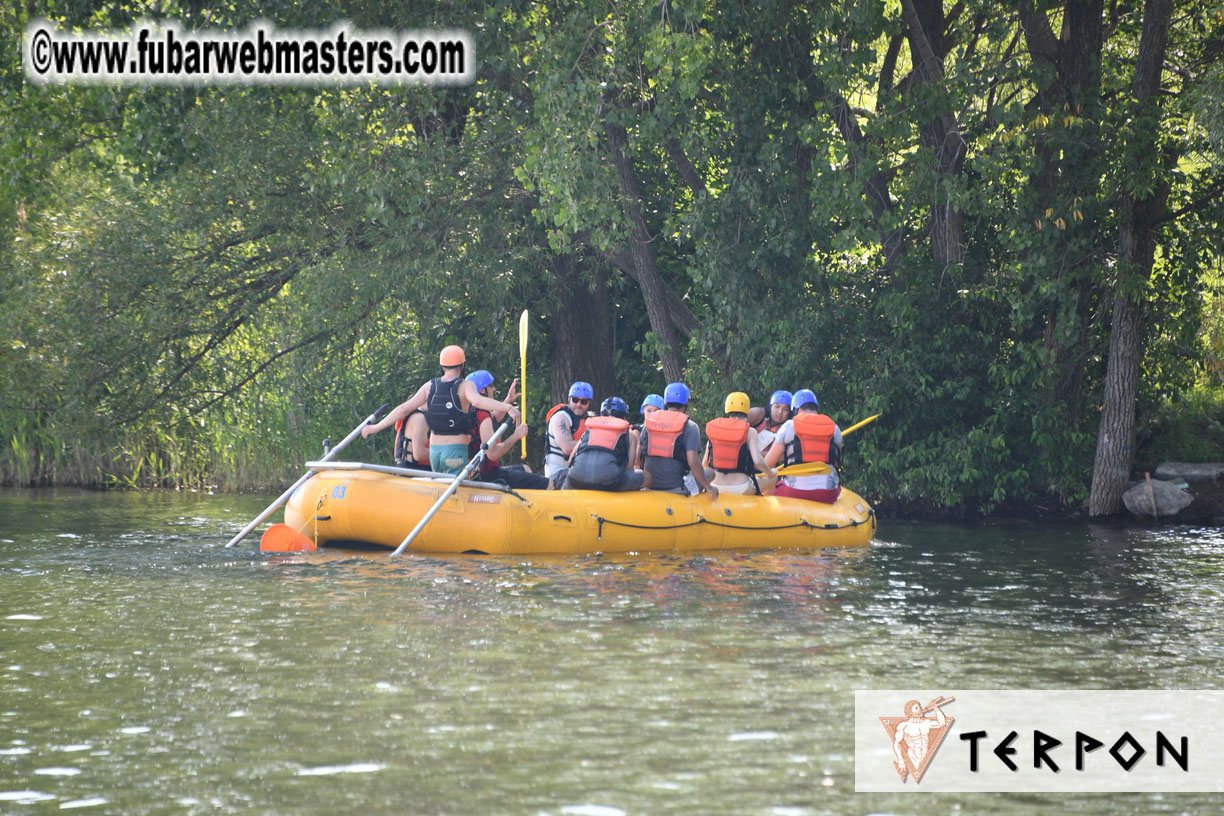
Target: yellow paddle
[(805, 469), (523, 371), (858, 425), (817, 468)]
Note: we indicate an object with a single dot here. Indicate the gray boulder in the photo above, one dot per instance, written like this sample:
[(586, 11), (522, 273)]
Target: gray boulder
[(1170, 499), (1189, 472)]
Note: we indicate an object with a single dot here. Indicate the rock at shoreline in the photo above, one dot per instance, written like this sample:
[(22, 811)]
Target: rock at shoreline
[(1189, 472), (1170, 499)]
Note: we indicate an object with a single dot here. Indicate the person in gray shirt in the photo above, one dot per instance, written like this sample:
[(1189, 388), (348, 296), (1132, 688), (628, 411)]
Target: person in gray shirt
[(671, 445)]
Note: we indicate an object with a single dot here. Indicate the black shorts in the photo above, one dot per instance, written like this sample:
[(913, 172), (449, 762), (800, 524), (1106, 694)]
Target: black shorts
[(516, 478)]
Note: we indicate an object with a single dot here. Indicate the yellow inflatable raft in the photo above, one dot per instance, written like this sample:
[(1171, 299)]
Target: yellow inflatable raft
[(372, 504)]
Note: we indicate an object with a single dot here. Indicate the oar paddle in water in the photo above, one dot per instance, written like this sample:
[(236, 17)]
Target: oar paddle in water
[(446, 494), (818, 468), (305, 476)]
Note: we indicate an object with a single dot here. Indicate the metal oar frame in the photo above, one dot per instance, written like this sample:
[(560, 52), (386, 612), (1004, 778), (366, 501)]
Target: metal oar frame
[(412, 473)]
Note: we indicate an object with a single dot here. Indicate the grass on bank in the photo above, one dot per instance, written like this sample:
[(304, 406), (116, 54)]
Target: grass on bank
[(1189, 428)]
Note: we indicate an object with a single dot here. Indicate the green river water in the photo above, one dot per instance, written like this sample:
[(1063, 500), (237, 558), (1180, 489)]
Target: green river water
[(144, 669)]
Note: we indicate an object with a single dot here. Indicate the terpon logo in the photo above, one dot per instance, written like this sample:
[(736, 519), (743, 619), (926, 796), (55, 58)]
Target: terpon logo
[(1049, 741), (916, 737)]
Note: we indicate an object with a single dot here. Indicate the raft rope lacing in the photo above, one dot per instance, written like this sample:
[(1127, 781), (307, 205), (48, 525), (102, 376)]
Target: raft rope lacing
[(703, 520)]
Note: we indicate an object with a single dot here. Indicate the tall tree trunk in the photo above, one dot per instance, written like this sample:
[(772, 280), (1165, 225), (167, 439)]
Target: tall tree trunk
[(642, 258), (1140, 216), (924, 22), (1075, 88), (581, 331)]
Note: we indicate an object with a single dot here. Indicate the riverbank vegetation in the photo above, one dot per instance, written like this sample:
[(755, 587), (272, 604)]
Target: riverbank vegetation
[(997, 224)]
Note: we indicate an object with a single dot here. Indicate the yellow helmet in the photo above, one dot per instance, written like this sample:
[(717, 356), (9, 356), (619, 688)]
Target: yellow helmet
[(737, 403)]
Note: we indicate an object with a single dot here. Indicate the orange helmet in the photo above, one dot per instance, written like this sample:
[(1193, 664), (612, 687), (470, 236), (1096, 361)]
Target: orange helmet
[(451, 356)]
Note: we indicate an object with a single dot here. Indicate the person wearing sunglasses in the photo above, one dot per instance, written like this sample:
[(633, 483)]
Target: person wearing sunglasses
[(566, 424)]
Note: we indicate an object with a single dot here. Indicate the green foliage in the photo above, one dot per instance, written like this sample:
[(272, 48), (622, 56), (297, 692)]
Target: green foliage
[(1185, 428), (199, 284)]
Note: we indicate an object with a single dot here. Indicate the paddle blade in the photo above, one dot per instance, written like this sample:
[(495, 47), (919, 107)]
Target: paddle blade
[(283, 538), (805, 469)]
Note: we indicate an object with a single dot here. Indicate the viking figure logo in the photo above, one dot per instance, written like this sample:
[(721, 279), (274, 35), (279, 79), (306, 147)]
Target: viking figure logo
[(916, 737)]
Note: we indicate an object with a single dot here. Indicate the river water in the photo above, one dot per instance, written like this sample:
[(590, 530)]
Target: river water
[(144, 669)]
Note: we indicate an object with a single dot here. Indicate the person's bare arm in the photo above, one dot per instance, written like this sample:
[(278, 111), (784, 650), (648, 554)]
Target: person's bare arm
[(402, 410)]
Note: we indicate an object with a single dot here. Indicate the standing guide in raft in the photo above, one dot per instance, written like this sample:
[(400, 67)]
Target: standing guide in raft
[(733, 450), (566, 424), (448, 402), (810, 437), (601, 460), (671, 443)]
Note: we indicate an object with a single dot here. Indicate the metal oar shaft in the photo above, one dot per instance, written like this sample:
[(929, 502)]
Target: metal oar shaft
[(446, 494), (305, 476), (408, 472)]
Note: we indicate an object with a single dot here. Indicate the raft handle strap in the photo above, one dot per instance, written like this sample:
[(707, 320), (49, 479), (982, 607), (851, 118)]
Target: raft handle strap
[(704, 520)]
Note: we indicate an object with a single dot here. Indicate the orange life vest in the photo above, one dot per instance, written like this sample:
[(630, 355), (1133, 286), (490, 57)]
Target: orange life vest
[(665, 435), (607, 433), (729, 445), (813, 438)]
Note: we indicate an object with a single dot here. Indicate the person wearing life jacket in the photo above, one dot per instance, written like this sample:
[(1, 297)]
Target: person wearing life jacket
[(602, 458), (810, 437), (412, 441), (652, 403), (518, 477), (448, 401), (565, 427), (779, 413), (672, 445), (733, 451)]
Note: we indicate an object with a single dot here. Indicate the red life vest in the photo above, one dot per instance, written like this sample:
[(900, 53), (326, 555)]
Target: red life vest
[(665, 435), (577, 428), (729, 445), (607, 433), (813, 438), (474, 446)]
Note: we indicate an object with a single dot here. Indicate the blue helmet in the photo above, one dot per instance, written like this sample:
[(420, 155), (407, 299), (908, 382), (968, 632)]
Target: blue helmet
[(614, 406), (677, 393), (783, 397), (481, 379), (651, 399), (803, 397), (582, 390)]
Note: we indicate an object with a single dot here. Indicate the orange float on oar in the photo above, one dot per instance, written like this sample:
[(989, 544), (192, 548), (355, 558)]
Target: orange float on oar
[(283, 538)]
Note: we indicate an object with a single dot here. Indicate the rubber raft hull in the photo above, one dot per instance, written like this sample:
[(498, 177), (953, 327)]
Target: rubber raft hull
[(336, 507)]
